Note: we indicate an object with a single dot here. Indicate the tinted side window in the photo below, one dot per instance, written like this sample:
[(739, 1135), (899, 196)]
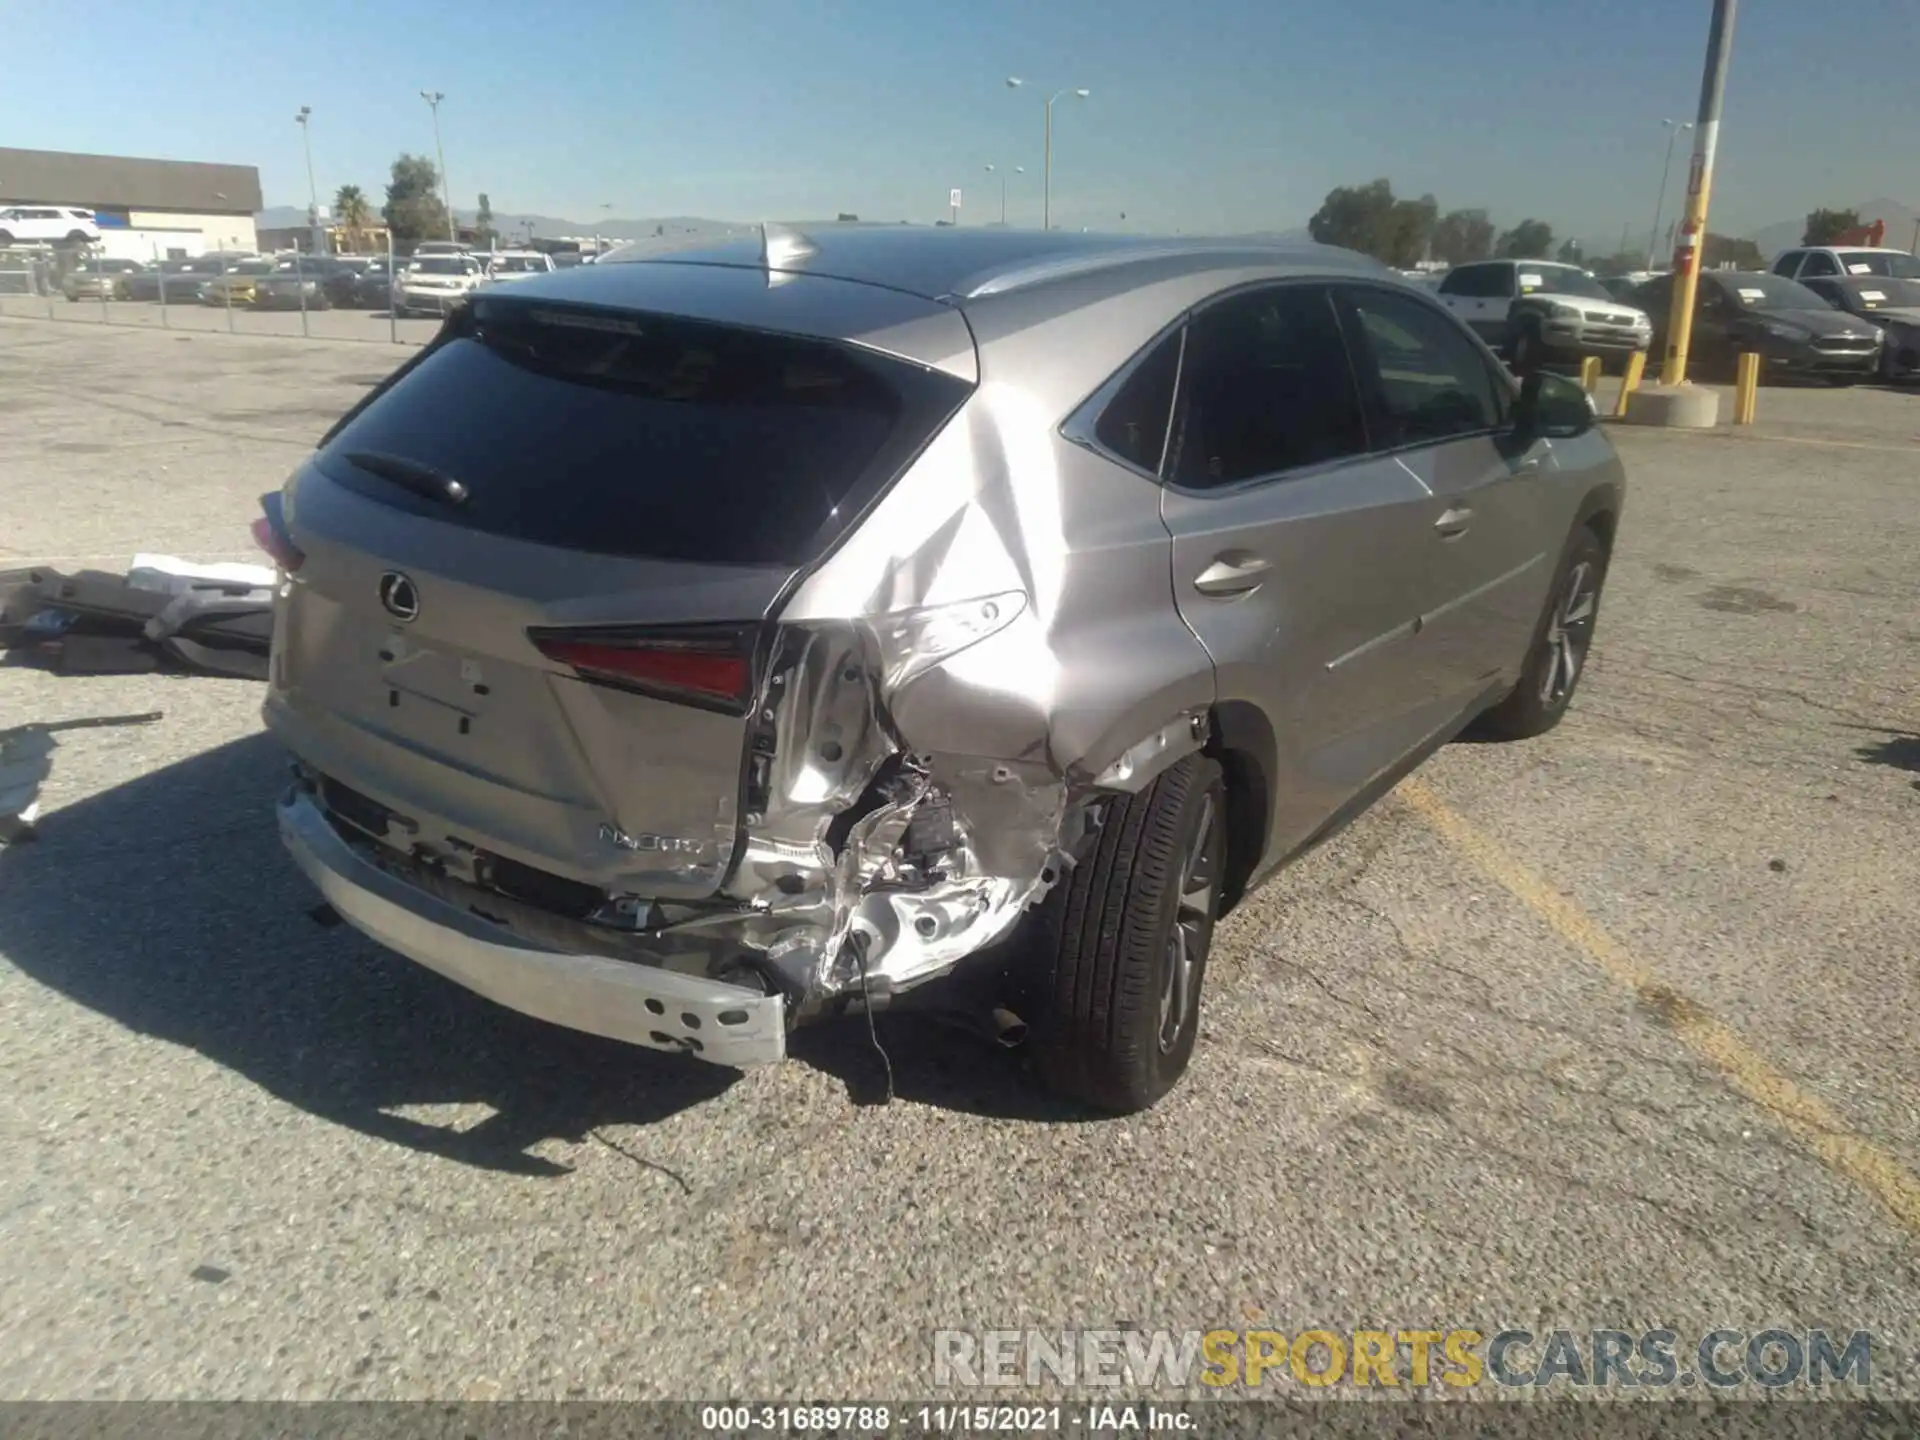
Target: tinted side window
[(1268, 388), (1819, 264), (1134, 424), (1429, 380), (1787, 264), (1459, 281)]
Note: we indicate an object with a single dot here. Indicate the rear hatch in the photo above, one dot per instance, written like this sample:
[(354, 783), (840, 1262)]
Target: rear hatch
[(537, 570)]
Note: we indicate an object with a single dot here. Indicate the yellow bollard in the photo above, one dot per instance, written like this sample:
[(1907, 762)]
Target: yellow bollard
[(1746, 388), (1590, 373), (1630, 382)]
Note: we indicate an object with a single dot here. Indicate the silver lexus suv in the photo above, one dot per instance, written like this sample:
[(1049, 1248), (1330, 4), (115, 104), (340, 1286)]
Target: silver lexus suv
[(694, 647)]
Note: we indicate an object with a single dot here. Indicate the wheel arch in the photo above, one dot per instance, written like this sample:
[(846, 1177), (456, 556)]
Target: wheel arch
[(1600, 512), (1248, 752)]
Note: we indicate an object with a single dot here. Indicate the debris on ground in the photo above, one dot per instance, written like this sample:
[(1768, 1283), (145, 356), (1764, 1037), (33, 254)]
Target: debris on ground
[(164, 613)]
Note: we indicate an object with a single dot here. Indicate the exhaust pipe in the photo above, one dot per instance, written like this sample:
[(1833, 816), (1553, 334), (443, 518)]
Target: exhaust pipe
[(1009, 1030)]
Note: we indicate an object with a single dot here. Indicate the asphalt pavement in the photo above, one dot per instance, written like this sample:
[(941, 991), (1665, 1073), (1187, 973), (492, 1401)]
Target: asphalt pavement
[(1612, 1029)]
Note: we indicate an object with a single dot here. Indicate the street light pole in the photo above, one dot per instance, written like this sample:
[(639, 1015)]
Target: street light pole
[(1706, 139), (1014, 82), (433, 99), (313, 191), (1666, 172), (995, 169)]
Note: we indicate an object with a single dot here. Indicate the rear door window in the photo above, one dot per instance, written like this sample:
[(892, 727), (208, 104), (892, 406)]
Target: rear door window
[(1429, 380), (1818, 262), (1266, 388), (644, 435)]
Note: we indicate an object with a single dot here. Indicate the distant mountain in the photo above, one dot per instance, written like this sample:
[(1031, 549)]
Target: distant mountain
[(1900, 219)]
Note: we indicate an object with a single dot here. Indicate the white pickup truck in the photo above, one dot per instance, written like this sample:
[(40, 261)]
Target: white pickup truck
[(1542, 311)]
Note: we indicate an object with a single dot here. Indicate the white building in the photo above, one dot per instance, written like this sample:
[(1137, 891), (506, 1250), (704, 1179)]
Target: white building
[(146, 209)]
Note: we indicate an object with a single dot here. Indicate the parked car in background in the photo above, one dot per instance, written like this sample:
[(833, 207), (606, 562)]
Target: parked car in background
[(1542, 312), (1792, 329), (183, 279), (293, 284), (442, 247), (1891, 304), (55, 224), (509, 265), (99, 279), (235, 283), (431, 283), (1822, 262), (1621, 287), (373, 285), (659, 657)]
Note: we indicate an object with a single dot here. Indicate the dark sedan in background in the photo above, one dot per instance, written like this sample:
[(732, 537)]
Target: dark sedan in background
[(1892, 304), (1794, 331), (182, 279), (306, 282)]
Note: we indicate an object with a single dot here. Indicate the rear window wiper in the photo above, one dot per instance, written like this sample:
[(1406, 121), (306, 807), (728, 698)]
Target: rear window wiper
[(410, 475)]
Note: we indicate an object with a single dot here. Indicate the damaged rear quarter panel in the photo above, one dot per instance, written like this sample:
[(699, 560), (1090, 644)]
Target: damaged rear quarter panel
[(1009, 733)]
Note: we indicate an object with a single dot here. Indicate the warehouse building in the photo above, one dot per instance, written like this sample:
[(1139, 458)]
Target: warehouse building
[(146, 209)]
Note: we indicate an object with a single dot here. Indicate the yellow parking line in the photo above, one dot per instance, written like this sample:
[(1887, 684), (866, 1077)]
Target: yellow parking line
[(1815, 1125)]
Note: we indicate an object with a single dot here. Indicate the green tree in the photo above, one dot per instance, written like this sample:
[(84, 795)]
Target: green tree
[(414, 210), (350, 206), (1826, 226), (1463, 236), (1369, 219), (483, 231), (1529, 240)]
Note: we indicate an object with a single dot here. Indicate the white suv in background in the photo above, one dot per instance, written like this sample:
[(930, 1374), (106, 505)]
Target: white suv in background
[(51, 224), (503, 266), (1845, 262), (432, 283), (1535, 311)]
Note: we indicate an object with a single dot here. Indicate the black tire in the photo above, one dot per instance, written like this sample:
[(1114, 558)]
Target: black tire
[(1536, 704), (6, 237), (1117, 1015), (76, 237)]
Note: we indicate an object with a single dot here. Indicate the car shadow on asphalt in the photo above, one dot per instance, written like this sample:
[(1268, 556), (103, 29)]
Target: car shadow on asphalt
[(168, 905)]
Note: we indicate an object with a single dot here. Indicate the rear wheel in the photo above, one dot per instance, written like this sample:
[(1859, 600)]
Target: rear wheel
[(1127, 937), (6, 237), (1562, 642)]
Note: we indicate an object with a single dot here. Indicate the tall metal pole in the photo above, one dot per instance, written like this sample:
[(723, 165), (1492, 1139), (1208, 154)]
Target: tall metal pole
[(1046, 185), (1693, 227), (1660, 200), (313, 191), (433, 99)]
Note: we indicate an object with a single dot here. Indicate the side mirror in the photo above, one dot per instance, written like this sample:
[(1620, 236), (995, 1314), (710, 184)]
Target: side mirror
[(1552, 407)]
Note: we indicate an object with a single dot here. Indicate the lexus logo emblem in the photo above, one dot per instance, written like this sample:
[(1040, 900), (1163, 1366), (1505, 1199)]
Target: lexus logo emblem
[(398, 597)]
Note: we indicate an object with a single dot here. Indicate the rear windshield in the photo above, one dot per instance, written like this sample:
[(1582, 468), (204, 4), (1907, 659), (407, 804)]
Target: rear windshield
[(645, 435)]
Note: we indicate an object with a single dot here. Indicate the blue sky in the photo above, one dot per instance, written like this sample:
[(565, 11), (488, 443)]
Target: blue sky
[(1205, 115)]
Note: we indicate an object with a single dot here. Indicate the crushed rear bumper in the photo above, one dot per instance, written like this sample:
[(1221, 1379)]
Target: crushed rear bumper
[(622, 1000)]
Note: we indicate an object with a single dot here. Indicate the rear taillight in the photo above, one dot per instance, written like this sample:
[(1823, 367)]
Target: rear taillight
[(706, 665), (270, 534)]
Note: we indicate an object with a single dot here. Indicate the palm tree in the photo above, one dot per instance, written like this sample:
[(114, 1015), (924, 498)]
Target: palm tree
[(350, 204)]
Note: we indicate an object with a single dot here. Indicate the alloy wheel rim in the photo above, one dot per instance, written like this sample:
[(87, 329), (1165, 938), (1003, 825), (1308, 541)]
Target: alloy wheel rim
[(1569, 633), (1186, 946)]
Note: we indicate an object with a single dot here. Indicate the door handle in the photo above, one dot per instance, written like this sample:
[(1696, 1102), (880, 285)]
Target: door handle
[(1234, 573), (1453, 523)]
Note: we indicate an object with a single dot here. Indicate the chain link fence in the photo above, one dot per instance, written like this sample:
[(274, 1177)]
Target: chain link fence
[(215, 294)]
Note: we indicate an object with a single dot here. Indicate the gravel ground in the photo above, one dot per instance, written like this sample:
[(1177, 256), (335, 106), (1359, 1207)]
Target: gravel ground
[(1611, 1029)]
